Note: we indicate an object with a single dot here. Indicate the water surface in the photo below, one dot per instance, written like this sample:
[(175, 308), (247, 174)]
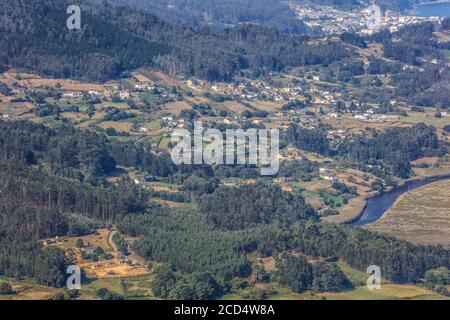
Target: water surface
[(438, 9), (377, 206)]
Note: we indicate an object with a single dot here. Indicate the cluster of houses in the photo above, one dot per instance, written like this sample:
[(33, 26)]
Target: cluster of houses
[(142, 86), (230, 182), (262, 90), (370, 116), (333, 20), (114, 90), (327, 174), (122, 93), (6, 117), (171, 123), (124, 260), (339, 134), (121, 260)]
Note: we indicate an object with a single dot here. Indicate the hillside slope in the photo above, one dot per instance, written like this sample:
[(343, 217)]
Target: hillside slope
[(34, 37), (221, 13)]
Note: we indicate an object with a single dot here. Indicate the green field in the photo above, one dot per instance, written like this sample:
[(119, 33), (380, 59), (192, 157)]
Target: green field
[(426, 117), (131, 288), (388, 290), (27, 290)]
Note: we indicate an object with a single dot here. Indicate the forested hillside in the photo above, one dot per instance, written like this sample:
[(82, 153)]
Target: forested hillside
[(189, 243), (117, 39), (396, 147), (221, 13), (45, 194), (393, 149), (74, 153), (34, 36), (230, 208)]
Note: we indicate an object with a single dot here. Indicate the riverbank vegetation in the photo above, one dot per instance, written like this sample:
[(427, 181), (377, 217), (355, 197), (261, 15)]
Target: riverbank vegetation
[(420, 216)]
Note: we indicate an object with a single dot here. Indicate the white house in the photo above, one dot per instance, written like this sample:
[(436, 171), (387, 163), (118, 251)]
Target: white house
[(124, 94)]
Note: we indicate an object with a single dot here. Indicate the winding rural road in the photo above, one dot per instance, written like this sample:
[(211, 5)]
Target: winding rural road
[(113, 245), (111, 242)]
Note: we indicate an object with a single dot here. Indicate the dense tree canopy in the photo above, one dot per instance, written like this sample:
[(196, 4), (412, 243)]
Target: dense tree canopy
[(396, 146), (222, 13), (247, 206), (113, 40), (313, 140)]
